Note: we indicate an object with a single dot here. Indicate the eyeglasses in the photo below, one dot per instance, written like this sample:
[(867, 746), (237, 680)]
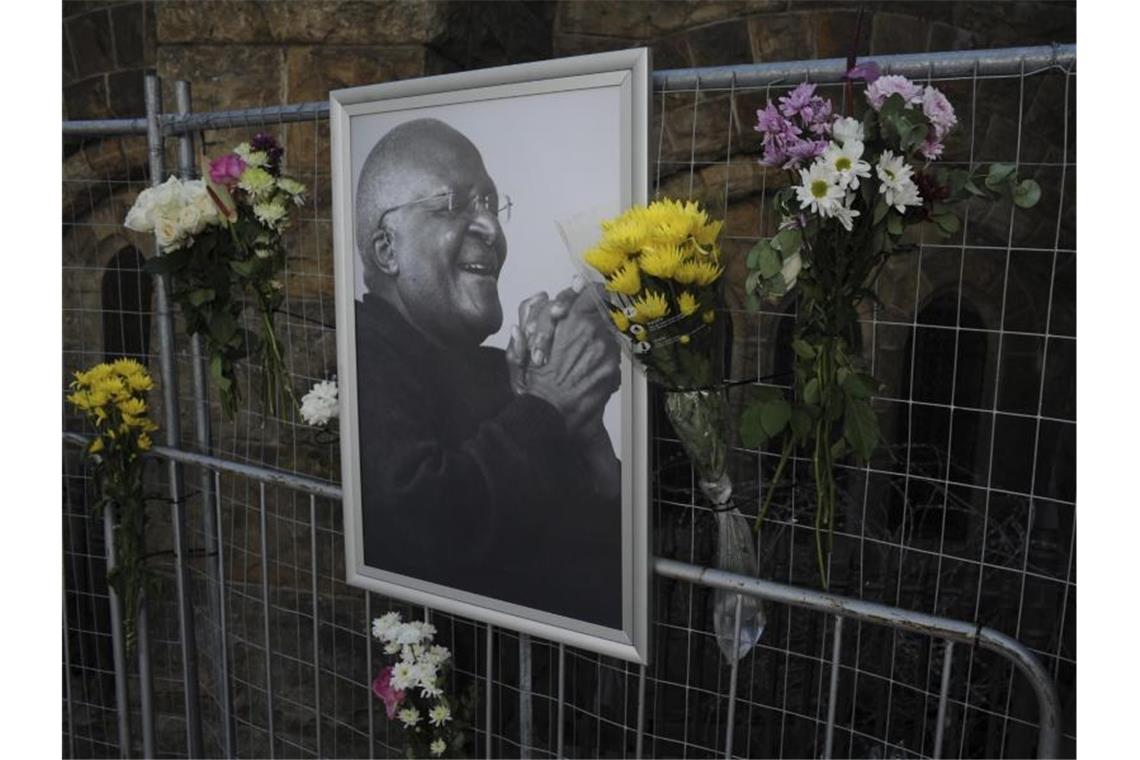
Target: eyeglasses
[(462, 206)]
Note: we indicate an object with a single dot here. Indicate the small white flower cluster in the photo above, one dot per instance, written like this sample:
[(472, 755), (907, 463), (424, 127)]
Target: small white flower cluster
[(269, 195), (829, 184), (418, 667), (320, 404), (174, 211)]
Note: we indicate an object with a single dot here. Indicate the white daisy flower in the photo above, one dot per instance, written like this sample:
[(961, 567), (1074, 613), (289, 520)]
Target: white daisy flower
[(318, 406), (847, 161), (437, 747), (845, 215), (820, 191), (382, 625), (409, 716), (403, 676), (391, 647), (439, 715), (896, 185)]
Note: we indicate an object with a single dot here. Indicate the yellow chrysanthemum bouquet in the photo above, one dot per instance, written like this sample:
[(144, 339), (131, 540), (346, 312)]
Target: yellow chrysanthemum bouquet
[(662, 273), (661, 267), (113, 398)]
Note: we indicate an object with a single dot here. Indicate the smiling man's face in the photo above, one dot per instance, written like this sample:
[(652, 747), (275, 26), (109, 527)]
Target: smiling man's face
[(448, 260)]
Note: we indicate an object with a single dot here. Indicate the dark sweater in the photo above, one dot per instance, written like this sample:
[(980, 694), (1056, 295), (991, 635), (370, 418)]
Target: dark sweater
[(467, 485)]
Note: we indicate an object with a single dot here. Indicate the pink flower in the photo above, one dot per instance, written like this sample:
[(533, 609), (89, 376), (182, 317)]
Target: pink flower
[(226, 170), (382, 687), (938, 109), (931, 147), (884, 87)]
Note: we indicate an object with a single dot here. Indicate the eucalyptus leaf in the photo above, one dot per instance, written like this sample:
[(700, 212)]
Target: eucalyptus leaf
[(752, 433), (973, 189), (803, 349), (768, 262), (811, 391), (200, 296), (947, 222), (774, 416), (880, 211), (800, 422), (1027, 194), (998, 174), (894, 224), (861, 428), (754, 254), (789, 242)]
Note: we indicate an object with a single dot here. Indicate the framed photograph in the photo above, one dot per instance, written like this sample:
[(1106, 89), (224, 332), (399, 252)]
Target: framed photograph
[(493, 432)]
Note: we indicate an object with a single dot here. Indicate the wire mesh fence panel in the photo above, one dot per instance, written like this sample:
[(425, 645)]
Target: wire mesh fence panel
[(967, 511)]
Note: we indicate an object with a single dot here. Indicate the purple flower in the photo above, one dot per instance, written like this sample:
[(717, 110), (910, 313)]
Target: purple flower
[(382, 687), (883, 87), (931, 147), (868, 70), (796, 100), (938, 109), (804, 150), (266, 142), (226, 170)]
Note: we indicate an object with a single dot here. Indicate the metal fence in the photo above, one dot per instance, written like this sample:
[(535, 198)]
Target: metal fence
[(256, 646)]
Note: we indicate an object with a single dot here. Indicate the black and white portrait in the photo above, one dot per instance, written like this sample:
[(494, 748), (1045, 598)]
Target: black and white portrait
[(487, 381)]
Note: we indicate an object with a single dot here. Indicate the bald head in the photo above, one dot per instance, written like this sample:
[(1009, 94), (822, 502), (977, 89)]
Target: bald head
[(427, 247)]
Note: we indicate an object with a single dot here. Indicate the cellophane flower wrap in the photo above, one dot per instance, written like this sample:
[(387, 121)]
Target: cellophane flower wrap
[(220, 239), (857, 184), (113, 398), (412, 685), (662, 270)]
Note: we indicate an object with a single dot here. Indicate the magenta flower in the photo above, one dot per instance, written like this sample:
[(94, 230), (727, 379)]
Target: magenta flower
[(868, 71), (382, 688), (884, 87), (938, 109), (226, 170)]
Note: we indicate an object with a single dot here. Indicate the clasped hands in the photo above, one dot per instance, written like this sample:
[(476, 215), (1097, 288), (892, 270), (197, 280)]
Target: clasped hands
[(563, 352)]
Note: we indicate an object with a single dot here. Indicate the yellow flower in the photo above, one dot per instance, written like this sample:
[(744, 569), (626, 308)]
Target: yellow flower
[(707, 233), (144, 442), (684, 340), (100, 415), (628, 233), (650, 306), (706, 272), (110, 387), (80, 400), (96, 446), (661, 261), (709, 317), (140, 382), (626, 280), (605, 259), (134, 407), (686, 274), (620, 320), (687, 303), (127, 367)]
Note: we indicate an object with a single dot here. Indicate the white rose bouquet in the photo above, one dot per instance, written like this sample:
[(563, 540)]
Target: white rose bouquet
[(221, 241), (856, 186)]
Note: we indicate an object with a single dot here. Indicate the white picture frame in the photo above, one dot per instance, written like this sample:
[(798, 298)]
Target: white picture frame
[(566, 139)]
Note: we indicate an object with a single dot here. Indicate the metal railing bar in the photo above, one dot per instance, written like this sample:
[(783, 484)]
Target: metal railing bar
[(833, 688), (368, 671), (265, 614), (489, 687), (67, 673), (316, 622), (561, 711), (943, 698), (640, 743), (146, 681), (224, 655), (118, 647), (998, 61), (894, 617)]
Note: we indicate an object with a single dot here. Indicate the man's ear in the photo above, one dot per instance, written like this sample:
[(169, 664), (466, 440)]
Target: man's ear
[(383, 253)]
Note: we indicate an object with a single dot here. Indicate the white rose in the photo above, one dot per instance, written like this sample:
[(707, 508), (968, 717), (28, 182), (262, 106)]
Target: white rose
[(140, 218), (207, 209), (190, 219), (791, 270), (167, 230)]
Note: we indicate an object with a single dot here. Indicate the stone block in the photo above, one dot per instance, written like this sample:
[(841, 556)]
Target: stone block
[(311, 71), (896, 33), (835, 33), (211, 22), (583, 44), (86, 99), (945, 36), (90, 36), (70, 70), (721, 44), (782, 37), (125, 92), (603, 19), (128, 25), (226, 76), (698, 128), (673, 52)]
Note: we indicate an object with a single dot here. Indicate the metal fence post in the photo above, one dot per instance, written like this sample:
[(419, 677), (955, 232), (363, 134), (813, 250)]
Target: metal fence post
[(118, 648), (169, 368)]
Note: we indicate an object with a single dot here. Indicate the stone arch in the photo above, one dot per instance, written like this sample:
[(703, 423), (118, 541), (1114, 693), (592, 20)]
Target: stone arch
[(126, 306)]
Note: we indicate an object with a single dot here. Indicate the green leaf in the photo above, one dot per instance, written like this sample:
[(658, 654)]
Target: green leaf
[(839, 448), (768, 262), (999, 173), (1027, 194), (880, 211), (811, 391), (216, 369), (800, 422), (894, 224), (774, 416), (243, 268), (200, 296), (222, 327), (789, 242), (803, 349), (859, 385), (947, 222), (752, 433), (753, 302), (973, 189), (168, 263), (861, 428), (754, 254)]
